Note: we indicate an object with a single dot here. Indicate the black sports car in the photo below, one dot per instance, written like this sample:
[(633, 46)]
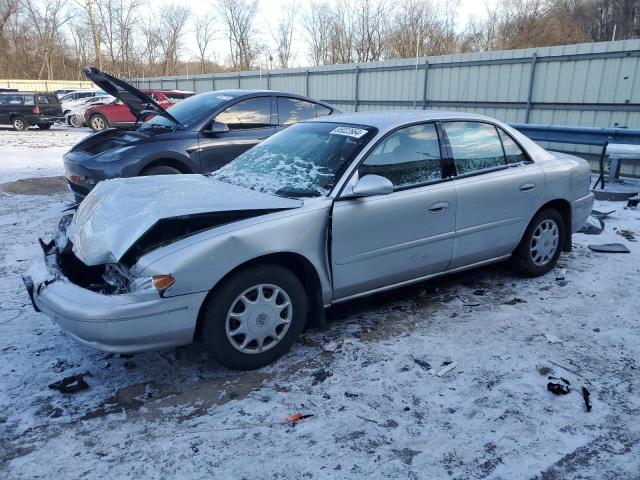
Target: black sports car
[(197, 135)]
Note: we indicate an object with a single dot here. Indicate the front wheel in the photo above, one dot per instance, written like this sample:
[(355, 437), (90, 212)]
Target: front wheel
[(98, 122), (254, 317), (541, 244), (19, 123)]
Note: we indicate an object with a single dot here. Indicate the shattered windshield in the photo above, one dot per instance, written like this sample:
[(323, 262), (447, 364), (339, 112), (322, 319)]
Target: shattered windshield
[(303, 160)]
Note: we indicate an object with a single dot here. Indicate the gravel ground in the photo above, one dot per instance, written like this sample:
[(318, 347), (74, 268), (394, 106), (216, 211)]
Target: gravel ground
[(377, 410)]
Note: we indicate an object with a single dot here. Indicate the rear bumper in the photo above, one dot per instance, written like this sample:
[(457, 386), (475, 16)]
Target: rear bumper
[(123, 323), (580, 210)]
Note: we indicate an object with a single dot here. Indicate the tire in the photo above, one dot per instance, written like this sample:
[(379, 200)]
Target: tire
[(98, 122), (219, 320), (161, 170), (75, 121), (541, 244), (44, 126), (19, 123)]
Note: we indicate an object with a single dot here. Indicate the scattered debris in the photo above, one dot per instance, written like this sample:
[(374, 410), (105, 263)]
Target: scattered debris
[(593, 226), (351, 395), (479, 292), (320, 376), (632, 202), (601, 215), (296, 417), (60, 366), (609, 248), (514, 301), (366, 419), (572, 371), (447, 369), (627, 234), (561, 274), (71, 384), (424, 365), (558, 388), (585, 395), (552, 338), (544, 371), (335, 380)]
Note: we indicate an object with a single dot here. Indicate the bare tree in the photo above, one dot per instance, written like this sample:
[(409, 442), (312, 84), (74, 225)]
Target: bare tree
[(238, 17), (173, 19), (46, 20), (371, 26), (283, 34), (204, 27), (89, 7)]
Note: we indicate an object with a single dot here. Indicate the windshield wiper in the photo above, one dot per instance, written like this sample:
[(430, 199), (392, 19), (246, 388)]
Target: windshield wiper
[(285, 192)]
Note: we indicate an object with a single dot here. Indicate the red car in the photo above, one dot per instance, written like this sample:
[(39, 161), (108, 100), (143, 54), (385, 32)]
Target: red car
[(117, 114)]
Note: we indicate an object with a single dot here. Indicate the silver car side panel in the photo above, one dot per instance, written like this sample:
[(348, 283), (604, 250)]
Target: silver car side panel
[(493, 211), (396, 234)]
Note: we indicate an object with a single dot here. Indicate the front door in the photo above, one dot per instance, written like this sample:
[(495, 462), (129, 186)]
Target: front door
[(388, 239), (249, 123), (498, 189)]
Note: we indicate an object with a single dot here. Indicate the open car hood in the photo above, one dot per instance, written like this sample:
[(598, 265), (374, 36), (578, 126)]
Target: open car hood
[(138, 103), (117, 213)]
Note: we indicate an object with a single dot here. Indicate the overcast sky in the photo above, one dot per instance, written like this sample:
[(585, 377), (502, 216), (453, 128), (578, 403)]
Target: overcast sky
[(271, 10)]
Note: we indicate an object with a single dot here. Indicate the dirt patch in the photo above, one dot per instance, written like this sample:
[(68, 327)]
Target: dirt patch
[(35, 186)]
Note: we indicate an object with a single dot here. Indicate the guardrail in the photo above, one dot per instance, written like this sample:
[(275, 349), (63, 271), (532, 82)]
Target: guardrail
[(578, 135)]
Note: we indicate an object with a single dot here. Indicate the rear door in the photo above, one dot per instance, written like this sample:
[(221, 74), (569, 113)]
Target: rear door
[(388, 239), (48, 105), (249, 123), (498, 188), (4, 109)]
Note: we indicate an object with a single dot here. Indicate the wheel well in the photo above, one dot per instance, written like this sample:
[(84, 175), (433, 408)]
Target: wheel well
[(564, 209), (299, 265), (168, 162)]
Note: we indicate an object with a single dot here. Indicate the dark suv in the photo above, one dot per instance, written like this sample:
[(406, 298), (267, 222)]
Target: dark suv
[(23, 109), (197, 135)]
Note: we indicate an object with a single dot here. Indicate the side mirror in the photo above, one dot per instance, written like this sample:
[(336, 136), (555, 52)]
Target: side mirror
[(217, 127), (371, 185)]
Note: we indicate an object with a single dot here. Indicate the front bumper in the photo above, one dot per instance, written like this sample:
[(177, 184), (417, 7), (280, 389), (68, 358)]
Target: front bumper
[(121, 323)]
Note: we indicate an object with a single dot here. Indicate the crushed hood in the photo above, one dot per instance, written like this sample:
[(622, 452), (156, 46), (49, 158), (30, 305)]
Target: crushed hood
[(118, 212), (136, 101)]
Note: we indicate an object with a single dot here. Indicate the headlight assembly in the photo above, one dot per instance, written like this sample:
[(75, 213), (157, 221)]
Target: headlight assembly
[(113, 155)]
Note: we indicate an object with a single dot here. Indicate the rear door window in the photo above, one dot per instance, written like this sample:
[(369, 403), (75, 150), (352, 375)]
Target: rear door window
[(511, 149), (42, 100), (322, 111), (251, 113), (475, 146), (293, 110), (408, 157)]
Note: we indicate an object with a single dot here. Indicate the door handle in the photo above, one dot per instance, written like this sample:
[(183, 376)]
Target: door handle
[(439, 207), (527, 187)]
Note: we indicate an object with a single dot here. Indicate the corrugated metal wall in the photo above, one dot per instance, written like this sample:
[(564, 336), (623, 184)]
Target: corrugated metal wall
[(44, 85), (589, 85)]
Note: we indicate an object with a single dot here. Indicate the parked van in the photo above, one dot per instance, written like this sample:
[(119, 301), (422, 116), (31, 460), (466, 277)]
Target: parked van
[(23, 109)]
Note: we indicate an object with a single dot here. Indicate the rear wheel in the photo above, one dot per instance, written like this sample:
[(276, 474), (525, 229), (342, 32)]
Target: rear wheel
[(44, 126), (541, 244), (19, 123), (161, 170), (98, 122), (254, 317)]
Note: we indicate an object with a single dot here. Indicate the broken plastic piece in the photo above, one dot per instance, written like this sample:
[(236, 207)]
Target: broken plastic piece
[(609, 248), (585, 395), (71, 384), (558, 388), (447, 369), (601, 215), (296, 417)]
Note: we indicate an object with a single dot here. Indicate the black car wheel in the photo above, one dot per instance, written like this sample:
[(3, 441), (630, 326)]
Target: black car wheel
[(44, 126), (19, 123), (161, 170), (98, 122), (254, 317), (541, 244)]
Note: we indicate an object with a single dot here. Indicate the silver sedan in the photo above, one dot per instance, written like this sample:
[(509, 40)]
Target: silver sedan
[(326, 211)]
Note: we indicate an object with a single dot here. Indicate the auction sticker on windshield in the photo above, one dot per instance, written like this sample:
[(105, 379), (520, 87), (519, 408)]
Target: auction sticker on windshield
[(349, 132)]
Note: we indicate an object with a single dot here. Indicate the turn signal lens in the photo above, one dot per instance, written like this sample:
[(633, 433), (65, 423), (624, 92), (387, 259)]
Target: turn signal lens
[(162, 282)]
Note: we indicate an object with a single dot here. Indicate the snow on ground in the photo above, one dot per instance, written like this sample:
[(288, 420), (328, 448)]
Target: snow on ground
[(377, 411)]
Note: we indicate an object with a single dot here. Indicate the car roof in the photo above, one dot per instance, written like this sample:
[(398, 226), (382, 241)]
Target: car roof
[(237, 93), (27, 93), (389, 119)]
